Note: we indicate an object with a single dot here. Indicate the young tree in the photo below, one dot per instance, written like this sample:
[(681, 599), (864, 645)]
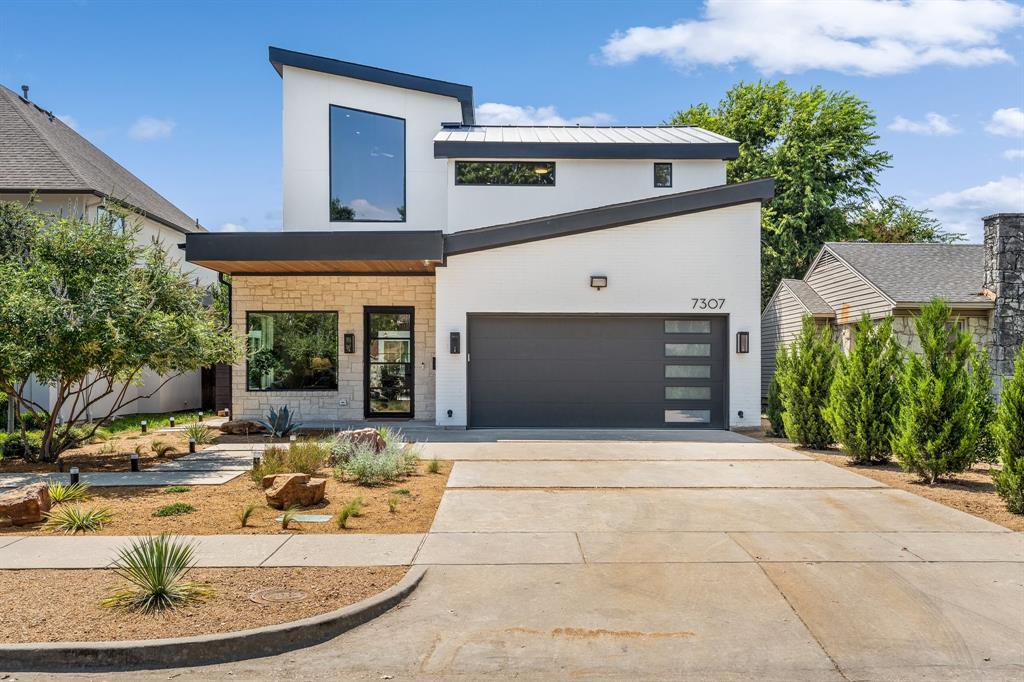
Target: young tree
[(805, 378), (864, 396), (893, 220), (775, 406), (819, 145), (984, 408), (85, 311), (1009, 435), (937, 428)]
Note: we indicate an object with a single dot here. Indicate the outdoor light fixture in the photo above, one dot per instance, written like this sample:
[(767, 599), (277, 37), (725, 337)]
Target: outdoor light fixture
[(350, 343), (142, 424), (598, 282), (191, 445), (455, 343), (135, 462), (742, 342), (74, 475), (541, 170), (172, 422)]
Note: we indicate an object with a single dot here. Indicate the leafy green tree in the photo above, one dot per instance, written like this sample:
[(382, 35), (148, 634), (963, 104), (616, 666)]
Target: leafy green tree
[(86, 310), (1009, 435), (937, 428), (984, 408), (893, 220), (819, 145), (775, 406), (805, 379), (864, 397)]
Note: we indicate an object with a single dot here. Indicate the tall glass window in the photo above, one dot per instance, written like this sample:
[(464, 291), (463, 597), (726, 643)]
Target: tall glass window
[(367, 166), (292, 351)]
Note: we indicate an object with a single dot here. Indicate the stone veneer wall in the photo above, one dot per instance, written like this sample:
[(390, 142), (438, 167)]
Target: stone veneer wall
[(1004, 281), (348, 296)]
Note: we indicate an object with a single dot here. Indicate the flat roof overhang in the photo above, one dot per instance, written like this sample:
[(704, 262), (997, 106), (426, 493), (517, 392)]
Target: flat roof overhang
[(407, 252), (585, 150)]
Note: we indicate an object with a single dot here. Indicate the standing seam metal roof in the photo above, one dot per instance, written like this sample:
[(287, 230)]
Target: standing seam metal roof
[(583, 134)]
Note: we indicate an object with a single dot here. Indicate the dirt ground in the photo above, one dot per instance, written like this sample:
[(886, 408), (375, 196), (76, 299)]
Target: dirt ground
[(971, 491), (111, 455), (217, 508), (45, 611)]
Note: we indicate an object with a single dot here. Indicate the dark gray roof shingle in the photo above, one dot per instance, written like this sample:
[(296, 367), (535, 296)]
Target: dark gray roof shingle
[(38, 152), (807, 296), (917, 273)]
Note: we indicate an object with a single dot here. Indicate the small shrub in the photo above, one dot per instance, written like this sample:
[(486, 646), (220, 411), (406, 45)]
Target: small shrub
[(393, 504), (1009, 436), (865, 393), (305, 457), (403, 491), (72, 519), (936, 431), (351, 510), (776, 427), (100, 436), (176, 509), (162, 449), (108, 449), (369, 467), (68, 492), (279, 424), (139, 449), (434, 466), (27, 447), (33, 421), (288, 516), (177, 489), (157, 567), (247, 510), (805, 379), (200, 433)]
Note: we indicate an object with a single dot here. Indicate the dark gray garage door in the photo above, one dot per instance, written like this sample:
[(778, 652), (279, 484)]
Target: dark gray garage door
[(597, 371)]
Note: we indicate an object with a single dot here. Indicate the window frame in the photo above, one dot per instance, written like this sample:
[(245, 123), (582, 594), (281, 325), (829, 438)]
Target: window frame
[(337, 328), (117, 221), (330, 164), (554, 172), (655, 171)]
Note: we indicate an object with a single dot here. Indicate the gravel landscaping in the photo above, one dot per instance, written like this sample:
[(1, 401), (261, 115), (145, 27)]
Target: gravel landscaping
[(47, 611)]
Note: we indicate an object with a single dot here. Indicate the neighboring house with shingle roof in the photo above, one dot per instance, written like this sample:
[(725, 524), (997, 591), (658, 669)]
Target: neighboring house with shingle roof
[(40, 155), (849, 279)]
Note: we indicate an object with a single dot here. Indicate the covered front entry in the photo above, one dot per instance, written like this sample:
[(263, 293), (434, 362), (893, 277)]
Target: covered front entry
[(597, 371)]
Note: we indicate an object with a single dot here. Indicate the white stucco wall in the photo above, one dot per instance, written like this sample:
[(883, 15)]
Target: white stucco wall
[(654, 267), (579, 184), (306, 164)]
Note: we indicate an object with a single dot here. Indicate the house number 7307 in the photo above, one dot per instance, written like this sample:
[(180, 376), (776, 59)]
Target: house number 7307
[(708, 303)]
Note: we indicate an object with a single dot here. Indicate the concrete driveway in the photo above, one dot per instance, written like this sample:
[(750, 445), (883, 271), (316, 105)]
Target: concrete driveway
[(715, 557)]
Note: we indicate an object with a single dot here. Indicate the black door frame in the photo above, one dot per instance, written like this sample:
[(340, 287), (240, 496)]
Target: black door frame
[(727, 346), (404, 310)]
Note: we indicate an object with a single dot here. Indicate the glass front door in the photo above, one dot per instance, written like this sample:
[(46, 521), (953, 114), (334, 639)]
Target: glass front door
[(389, 362)]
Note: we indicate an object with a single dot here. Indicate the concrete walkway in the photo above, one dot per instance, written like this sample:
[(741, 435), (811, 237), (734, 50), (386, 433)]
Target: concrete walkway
[(766, 570)]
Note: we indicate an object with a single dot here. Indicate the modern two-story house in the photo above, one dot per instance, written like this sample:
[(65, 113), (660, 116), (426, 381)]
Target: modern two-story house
[(492, 276)]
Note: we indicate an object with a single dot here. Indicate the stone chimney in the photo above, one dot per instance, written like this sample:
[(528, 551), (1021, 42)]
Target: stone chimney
[(1004, 283)]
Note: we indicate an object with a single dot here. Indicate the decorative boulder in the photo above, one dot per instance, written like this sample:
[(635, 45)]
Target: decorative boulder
[(293, 490), (242, 427), (24, 505), (368, 437)]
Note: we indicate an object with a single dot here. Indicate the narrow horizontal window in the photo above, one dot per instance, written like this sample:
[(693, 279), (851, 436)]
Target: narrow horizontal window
[(687, 326), (687, 393), (696, 350), (687, 416), (663, 175), (687, 371), (292, 351), (504, 172)]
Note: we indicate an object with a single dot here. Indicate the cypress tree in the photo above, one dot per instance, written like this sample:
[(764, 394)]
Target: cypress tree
[(864, 397), (937, 429), (984, 408), (1009, 436), (805, 380), (775, 407)]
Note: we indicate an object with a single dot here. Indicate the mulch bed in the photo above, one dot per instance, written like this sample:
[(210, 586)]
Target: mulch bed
[(217, 508), (111, 455), (46, 610), (971, 491)]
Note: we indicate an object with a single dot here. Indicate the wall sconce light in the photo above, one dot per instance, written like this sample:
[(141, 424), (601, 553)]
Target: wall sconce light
[(598, 282), (350, 343), (455, 343), (742, 342)]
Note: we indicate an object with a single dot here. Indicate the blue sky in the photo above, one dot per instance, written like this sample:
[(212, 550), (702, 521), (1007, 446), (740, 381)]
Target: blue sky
[(182, 94)]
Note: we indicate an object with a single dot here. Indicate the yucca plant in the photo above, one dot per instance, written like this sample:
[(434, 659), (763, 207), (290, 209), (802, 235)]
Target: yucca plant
[(156, 567), (72, 519), (200, 433), (68, 492)]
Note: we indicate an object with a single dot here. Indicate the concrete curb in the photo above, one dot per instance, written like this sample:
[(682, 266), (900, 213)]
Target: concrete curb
[(205, 649)]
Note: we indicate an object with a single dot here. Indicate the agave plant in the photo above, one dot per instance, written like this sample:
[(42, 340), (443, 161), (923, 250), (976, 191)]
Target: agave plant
[(72, 519), (157, 567), (68, 492), (279, 423)]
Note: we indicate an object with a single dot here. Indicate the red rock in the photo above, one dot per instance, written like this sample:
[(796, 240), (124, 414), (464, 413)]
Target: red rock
[(293, 490), (24, 505), (242, 427)]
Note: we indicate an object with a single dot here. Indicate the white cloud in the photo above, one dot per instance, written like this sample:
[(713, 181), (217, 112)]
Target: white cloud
[(243, 227), (367, 211), (493, 113), (231, 227), (933, 124), (1013, 154), (1009, 122), (963, 210), (69, 121), (150, 128), (867, 37)]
